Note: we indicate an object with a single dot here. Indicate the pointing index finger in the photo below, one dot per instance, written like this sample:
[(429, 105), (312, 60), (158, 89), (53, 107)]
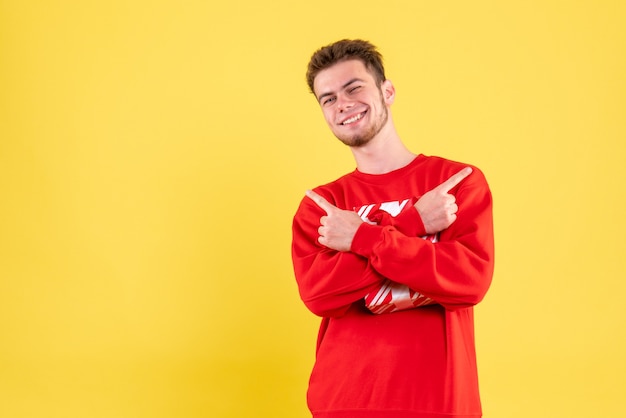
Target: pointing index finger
[(324, 204), (447, 185)]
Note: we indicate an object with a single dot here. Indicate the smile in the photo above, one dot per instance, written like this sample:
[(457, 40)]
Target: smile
[(353, 118)]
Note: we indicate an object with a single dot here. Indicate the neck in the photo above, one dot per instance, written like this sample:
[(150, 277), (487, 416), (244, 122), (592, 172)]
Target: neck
[(383, 154)]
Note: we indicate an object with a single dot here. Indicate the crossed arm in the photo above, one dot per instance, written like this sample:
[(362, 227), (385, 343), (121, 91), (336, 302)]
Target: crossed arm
[(339, 258), (437, 208)]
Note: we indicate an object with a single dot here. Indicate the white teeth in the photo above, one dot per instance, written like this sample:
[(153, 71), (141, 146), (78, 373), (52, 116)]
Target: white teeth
[(352, 119)]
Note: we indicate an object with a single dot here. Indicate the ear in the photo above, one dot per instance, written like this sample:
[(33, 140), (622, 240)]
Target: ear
[(388, 91)]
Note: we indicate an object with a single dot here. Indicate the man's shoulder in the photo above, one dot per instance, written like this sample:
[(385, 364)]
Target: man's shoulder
[(334, 185), (446, 165), (436, 161), (331, 191), (443, 168)]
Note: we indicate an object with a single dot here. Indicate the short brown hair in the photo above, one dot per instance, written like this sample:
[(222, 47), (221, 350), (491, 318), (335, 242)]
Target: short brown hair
[(344, 50)]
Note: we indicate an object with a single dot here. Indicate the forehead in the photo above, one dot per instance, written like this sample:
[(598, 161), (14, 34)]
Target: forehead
[(333, 78)]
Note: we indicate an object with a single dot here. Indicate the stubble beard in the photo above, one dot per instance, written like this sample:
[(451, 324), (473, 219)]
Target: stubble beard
[(363, 138)]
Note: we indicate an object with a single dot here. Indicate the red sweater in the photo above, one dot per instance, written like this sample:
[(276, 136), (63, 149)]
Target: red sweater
[(417, 363)]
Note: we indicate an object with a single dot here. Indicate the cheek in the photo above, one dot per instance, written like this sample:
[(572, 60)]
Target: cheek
[(329, 117)]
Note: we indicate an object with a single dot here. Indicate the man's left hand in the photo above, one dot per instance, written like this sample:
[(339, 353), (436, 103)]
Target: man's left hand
[(338, 226)]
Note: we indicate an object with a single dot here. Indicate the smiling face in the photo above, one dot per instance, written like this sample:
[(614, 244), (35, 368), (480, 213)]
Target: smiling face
[(354, 106)]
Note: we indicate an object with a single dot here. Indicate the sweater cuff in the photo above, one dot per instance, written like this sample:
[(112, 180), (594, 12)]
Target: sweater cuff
[(410, 223), (366, 238)]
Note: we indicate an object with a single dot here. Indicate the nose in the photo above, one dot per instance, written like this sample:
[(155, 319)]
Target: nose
[(343, 103)]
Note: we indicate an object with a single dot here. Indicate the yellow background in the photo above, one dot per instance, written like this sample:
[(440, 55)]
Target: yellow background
[(152, 154)]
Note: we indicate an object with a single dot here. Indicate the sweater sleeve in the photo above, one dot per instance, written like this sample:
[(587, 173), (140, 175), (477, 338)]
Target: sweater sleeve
[(329, 281), (456, 271), (408, 221)]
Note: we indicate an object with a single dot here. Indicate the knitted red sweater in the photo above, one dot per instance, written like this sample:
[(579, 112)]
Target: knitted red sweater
[(416, 363)]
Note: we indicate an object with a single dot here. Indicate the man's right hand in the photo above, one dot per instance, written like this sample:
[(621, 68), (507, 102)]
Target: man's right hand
[(438, 208)]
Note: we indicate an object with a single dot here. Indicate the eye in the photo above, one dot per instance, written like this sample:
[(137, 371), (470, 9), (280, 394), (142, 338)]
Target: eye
[(328, 101), (354, 89)]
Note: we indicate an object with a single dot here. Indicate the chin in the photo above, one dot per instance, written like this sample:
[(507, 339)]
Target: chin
[(356, 142)]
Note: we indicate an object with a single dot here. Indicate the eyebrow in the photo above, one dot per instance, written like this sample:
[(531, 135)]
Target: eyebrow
[(354, 80)]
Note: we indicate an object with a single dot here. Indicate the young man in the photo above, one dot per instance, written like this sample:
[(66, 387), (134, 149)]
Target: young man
[(392, 256)]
